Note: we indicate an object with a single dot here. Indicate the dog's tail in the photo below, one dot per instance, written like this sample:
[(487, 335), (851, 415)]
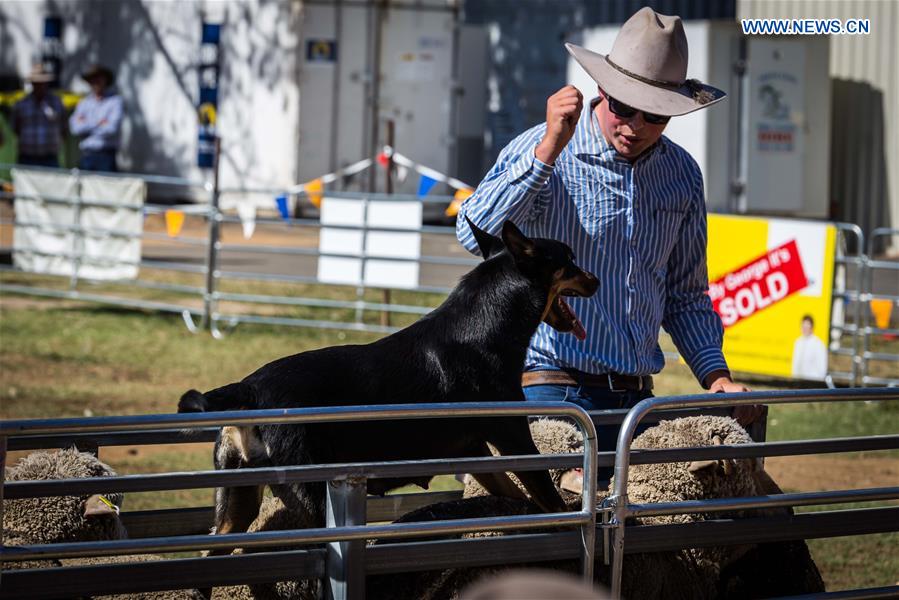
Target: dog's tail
[(234, 396)]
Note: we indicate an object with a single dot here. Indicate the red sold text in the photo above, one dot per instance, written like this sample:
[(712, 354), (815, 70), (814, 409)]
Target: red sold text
[(759, 284)]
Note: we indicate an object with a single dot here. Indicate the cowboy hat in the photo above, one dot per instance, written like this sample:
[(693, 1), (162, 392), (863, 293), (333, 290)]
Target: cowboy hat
[(39, 74), (97, 70), (647, 67)]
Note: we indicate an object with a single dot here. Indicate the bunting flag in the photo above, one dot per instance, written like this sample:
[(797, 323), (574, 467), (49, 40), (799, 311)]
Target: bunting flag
[(458, 198), (881, 309), (247, 213), (314, 189), (425, 184), (174, 220), (283, 207), (428, 178)]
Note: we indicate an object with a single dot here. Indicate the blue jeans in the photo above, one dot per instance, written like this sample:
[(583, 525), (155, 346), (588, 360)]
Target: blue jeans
[(98, 160), (591, 398)]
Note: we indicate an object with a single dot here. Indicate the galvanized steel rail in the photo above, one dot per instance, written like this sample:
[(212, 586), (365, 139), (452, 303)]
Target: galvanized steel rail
[(345, 489), (619, 504)]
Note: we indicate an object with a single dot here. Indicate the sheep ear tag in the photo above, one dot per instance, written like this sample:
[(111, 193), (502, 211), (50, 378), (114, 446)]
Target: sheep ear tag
[(98, 505)]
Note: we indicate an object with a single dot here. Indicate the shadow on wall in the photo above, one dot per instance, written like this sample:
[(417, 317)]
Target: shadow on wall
[(121, 36), (858, 174), (153, 48)]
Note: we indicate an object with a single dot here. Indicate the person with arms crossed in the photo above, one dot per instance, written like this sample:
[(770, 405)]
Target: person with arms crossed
[(630, 203), (97, 120)]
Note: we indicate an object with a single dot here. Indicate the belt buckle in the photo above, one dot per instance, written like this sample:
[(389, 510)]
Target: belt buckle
[(612, 387)]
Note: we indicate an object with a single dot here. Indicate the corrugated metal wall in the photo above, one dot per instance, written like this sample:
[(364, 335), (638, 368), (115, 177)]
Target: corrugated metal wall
[(864, 69)]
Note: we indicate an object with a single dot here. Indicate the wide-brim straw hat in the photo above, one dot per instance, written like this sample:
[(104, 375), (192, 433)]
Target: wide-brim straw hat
[(98, 71), (647, 67), (39, 74)]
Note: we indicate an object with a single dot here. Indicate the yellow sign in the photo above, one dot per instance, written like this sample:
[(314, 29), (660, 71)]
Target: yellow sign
[(771, 281)]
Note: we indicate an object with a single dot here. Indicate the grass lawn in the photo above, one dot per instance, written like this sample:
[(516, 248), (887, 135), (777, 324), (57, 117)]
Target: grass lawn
[(65, 359)]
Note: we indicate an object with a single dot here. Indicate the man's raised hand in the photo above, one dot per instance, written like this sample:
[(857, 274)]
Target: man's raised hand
[(562, 112)]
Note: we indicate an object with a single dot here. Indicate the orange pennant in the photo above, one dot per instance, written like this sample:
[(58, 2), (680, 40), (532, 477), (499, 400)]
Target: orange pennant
[(314, 190), (174, 220), (882, 309), (458, 198)]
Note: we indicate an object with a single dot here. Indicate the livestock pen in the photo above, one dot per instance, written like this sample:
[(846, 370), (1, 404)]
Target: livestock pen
[(346, 560)]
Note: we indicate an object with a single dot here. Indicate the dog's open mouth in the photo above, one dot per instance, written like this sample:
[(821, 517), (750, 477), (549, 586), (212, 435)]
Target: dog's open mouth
[(561, 317)]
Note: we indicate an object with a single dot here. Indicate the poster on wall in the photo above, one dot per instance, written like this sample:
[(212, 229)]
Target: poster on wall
[(776, 142), (773, 293)]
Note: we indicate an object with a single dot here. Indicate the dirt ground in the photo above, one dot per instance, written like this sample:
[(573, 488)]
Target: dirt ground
[(816, 473)]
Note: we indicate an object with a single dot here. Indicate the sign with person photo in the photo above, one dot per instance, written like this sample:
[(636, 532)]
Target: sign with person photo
[(773, 292)]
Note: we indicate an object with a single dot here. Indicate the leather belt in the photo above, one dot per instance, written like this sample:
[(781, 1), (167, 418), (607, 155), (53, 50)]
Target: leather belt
[(614, 382)]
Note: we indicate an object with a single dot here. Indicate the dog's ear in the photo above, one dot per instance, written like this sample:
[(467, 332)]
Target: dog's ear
[(487, 244), (518, 243)]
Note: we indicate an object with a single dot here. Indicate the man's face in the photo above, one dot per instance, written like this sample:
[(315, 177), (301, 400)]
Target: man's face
[(97, 83), (630, 136)]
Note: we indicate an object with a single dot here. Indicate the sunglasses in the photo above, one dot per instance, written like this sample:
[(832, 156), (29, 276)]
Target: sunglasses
[(626, 112)]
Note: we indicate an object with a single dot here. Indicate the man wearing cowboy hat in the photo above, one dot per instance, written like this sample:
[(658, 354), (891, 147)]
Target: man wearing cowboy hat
[(39, 122), (631, 205), (97, 120)]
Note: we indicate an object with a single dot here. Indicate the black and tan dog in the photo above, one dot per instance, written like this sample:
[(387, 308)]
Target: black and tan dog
[(470, 349)]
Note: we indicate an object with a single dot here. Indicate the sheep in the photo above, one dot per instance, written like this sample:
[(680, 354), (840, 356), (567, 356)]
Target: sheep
[(274, 515), (551, 436), (62, 518), (696, 573), (58, 519)]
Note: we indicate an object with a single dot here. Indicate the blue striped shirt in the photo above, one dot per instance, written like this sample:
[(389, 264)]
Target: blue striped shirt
[(640, 228)]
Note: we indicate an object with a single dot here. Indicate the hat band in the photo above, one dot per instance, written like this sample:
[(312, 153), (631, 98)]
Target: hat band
[(655, 82), (694, 86)]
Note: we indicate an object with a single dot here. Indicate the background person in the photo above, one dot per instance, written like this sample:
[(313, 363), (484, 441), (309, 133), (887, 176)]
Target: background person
[(39, 122), (631, 205), (97, 121)]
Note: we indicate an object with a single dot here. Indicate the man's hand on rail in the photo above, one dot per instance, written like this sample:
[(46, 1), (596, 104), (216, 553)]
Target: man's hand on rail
[(720, 381)]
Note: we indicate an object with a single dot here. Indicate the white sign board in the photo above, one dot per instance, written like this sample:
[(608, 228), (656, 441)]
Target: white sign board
[(44, 240), (358, 256)]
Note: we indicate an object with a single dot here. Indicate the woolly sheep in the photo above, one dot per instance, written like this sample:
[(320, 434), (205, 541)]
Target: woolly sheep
[(274, 516), (699, 573), (57, 519), (60, 519), (551, 436)]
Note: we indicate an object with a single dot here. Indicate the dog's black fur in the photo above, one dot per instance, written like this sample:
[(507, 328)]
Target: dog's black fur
[(470, 349)]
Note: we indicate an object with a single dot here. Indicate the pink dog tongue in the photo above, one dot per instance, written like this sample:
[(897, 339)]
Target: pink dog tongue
[(579, 331), (577, 327)]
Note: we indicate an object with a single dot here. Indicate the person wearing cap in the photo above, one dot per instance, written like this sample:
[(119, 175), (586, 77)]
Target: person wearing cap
[(601, 177), (39, 122), (97, 121)]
